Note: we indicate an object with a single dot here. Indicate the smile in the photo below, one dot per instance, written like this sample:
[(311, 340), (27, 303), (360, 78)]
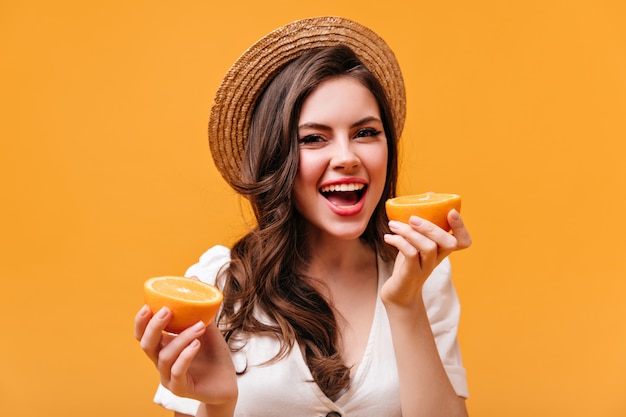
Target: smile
[(343, 195)]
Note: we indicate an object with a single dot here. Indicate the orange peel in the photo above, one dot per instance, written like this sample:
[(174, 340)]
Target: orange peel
[(189, 300), (433, 207)]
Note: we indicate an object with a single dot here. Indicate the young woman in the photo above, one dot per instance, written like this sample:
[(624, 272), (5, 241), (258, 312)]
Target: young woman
[(329, 308)]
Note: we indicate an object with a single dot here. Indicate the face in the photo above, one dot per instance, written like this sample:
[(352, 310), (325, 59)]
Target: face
[(343, 158)]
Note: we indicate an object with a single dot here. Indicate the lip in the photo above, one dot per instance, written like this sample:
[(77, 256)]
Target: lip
[(346, 180), (350, 210)]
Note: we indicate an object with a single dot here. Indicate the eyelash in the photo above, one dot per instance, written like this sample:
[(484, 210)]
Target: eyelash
[(369, 131), (309, 139), (366, 132)]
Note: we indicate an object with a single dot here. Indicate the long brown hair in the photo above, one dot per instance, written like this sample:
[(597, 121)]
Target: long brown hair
[(266, 269)]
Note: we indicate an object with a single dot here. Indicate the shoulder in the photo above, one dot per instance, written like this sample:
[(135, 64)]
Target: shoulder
[(210, 263)]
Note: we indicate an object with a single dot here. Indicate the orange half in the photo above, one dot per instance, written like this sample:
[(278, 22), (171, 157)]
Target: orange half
[(189, 300), (433, 207)]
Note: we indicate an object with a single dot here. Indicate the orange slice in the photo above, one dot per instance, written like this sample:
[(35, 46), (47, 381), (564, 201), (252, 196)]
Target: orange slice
[(189, 300), (433, 207)]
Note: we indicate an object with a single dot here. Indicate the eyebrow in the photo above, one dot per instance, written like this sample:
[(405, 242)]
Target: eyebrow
[(321, 126)]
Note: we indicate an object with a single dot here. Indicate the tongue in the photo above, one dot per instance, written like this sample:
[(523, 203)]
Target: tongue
[(343, 198)]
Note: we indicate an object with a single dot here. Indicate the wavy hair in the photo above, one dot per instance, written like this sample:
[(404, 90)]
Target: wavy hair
[(266, 269)]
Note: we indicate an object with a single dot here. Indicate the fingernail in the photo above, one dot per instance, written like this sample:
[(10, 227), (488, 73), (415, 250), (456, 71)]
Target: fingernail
[(162, 313), (454, 214), (394, 224), (198, 326), (144, 311), (415, 221)]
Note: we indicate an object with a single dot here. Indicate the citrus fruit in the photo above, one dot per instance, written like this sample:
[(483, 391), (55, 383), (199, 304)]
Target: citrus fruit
[(189, 300), (433, 207)]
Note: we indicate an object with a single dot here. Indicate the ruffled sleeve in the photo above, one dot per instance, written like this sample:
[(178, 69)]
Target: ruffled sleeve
[(444, 310), (210, 263), (205, 270)]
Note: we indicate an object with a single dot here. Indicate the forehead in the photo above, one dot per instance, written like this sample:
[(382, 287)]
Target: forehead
[(339, 97)]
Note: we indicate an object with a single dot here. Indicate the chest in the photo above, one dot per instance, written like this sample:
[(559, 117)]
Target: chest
[(288, 388), (355, 316)]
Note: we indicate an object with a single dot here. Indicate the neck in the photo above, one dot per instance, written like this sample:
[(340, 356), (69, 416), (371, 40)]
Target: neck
[(340, 260)]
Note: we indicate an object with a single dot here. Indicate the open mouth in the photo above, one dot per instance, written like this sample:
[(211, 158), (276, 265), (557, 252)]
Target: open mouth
[(344, 195)]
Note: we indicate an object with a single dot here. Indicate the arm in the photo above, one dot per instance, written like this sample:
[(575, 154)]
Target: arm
[(425, 388)]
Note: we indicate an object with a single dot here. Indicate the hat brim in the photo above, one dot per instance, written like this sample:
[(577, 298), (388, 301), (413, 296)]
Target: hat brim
[(247, 78)]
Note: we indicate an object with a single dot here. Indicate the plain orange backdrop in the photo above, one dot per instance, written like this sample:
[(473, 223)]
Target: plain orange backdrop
[(107, 179)]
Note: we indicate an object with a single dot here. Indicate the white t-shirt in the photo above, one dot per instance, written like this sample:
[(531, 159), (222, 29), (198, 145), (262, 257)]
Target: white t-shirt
[(285, 387)]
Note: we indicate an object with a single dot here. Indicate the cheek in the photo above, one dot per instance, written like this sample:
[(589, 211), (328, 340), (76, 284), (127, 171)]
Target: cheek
[(377, 162), (307, 177), (377, 167), (310, 170)]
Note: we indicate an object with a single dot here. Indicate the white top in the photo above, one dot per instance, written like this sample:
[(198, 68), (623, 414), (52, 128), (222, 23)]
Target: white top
[(285, 388)]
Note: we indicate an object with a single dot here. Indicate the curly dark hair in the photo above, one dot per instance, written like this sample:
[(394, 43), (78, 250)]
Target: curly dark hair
[(266, 269)]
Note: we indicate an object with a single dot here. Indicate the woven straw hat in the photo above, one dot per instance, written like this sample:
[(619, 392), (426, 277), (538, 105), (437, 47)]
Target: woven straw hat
[(247, 78)]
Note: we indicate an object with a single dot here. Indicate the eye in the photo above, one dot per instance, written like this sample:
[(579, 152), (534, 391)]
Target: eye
[(310, 139), (367, 132)]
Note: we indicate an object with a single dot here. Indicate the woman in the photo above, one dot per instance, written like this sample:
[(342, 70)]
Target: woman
[(329, 308)]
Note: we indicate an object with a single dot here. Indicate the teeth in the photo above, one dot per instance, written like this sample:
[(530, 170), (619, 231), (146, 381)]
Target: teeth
[(342, 187)]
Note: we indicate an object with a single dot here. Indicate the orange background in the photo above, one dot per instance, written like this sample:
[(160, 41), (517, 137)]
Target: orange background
[(107, 179)]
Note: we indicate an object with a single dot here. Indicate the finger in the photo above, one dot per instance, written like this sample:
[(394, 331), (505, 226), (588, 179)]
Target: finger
[(180, 367), (431, 242), (170, 353), (151, 339), (443, 239), (141, 321), (422, 234), (214, 344), (463, 238), (408, 271), (403, 245)]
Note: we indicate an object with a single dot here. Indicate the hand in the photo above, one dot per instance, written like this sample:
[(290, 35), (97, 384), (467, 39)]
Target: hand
[(421, 247), (196, 363)]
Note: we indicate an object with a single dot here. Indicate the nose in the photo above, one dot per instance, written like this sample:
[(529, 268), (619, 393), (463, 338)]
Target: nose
[(344, 156)]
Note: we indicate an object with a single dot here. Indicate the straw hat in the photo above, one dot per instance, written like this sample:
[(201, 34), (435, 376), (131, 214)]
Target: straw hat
[(245, 81)]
